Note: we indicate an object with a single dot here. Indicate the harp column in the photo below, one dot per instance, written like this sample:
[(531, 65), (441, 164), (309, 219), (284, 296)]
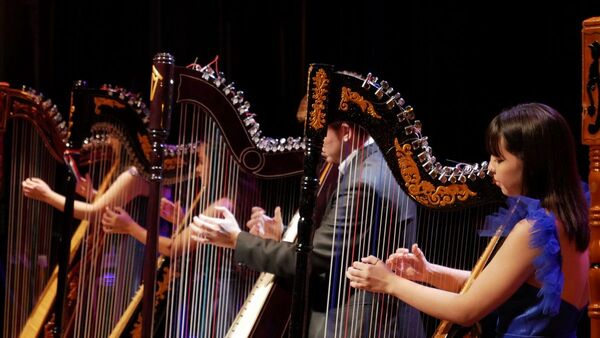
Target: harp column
[(315, 131), (161, 101), (591, 136)]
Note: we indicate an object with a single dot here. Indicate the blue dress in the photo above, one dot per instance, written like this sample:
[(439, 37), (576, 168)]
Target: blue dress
[(532, 311), (522, 316)]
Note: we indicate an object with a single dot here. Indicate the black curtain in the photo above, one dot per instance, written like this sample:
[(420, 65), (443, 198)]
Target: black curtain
[(458, 64)]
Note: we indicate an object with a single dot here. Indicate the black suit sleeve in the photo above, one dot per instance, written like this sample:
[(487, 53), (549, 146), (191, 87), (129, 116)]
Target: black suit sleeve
[(266, 255), (344, 211)]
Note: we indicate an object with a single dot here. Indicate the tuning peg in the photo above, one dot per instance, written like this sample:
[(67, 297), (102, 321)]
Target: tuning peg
[(383, 87)]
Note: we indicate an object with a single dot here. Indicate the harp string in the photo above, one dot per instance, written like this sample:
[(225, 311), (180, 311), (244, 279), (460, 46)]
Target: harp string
[(110, 270), (29, 225), (379, 221), (210, 289)]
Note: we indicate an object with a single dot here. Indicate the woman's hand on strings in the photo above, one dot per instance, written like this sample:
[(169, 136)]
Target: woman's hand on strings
[(172, 212), (35, 188), (221, 232), (410, 265), (370, 274), (264, 226), (117, 221)]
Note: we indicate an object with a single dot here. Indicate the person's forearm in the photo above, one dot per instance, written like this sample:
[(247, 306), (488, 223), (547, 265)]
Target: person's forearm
[(140, 234), (446, 278), (56, 200), (437, 303), (81, 210)]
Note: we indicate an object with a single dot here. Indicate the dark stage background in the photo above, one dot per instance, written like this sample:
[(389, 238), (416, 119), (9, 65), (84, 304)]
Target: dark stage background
[(458, 64)]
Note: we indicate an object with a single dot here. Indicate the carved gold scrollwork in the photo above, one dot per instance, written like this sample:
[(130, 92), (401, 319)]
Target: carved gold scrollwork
[(156, 78), (423, 191), (321, 88), (145, 144), (102, 101), (365, 106)]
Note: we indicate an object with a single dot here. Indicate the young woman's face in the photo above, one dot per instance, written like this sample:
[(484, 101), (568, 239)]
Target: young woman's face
[(507, 171)]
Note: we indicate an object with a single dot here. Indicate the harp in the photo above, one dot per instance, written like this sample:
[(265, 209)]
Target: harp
[(109, 128), (33, 136), (451, 202), (199, 290), (116, 122), (591, 137)]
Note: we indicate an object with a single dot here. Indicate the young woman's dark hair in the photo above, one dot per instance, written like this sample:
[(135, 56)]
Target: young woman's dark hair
[(541, 138)]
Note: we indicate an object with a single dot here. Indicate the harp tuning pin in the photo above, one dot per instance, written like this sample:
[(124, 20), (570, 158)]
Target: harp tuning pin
[(454, 176), (254, 129), (409, 112), (367, 82), (417, 126), (444, 174), (443, 178), (37, 99), (261, 142), (406, 114), (400, 117), (393, 101), (229, 89), (434, 172), (238, 98), (61, 126), (52, 111), (288, 143), (482, 173), (427, 166), (399, 100), (219, 80), (47, 104), (423, 156), (485, 170), (249, 120), (244, 108), (383, 87)]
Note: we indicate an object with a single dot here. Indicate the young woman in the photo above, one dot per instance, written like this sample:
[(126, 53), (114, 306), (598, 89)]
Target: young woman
[(537, 281)]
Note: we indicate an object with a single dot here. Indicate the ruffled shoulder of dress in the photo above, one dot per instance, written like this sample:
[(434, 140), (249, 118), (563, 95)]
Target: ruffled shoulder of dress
[(586, 191), (543, 236)]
